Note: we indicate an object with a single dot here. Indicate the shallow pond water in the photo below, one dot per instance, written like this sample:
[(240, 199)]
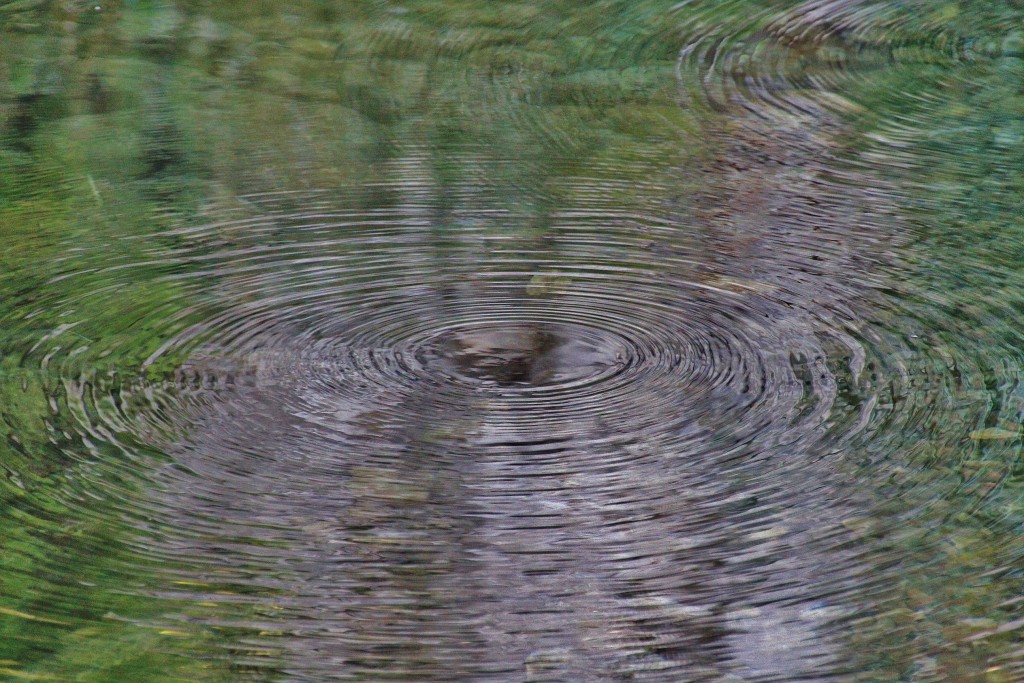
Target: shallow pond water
[(526, 341)]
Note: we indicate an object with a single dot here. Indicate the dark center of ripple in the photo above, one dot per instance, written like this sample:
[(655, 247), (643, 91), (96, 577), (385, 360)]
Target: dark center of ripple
[(523, 354)]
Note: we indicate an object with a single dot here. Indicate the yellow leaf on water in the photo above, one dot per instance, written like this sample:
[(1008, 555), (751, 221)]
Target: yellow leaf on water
[(30, 617), (993, 433), (172, 632)]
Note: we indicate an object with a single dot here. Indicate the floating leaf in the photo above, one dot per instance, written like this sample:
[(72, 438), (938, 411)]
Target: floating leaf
[(993, 434)]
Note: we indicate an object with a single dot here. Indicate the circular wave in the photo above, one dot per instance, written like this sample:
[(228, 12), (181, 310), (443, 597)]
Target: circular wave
[(507, 412)]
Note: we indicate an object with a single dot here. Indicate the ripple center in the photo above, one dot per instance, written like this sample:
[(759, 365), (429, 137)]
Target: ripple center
[(523, 354)]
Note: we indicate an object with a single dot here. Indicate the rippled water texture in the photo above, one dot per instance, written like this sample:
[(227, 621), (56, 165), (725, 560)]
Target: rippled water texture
[(528, 341)]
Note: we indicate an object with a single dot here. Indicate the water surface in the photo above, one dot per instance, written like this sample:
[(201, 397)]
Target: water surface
[(531, 341)]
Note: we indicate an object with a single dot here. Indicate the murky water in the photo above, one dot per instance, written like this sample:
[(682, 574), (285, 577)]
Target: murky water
[(531, 341)]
